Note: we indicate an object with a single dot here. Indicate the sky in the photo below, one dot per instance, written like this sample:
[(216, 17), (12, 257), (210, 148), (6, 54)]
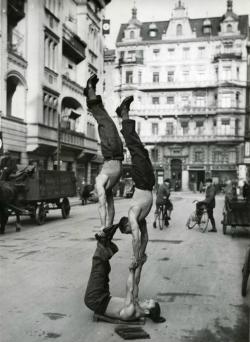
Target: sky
[(119, 11)]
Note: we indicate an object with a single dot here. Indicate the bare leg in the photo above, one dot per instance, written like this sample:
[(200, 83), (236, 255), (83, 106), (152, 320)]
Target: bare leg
[(110, 207), (101, 181)]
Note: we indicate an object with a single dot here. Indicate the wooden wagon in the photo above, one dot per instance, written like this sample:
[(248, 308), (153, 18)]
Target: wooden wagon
[(44, 191), (236, 213)]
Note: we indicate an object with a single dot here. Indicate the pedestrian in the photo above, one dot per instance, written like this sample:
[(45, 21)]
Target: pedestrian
[(209, 203), (97, 295), (162, 199), (246, 191), (112, 151)]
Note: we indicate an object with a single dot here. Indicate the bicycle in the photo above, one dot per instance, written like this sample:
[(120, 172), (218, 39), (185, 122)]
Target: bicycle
[(201, 220), (163, 215)]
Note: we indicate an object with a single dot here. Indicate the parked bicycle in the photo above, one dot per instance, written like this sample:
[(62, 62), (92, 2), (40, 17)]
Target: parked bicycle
[(199, 218)]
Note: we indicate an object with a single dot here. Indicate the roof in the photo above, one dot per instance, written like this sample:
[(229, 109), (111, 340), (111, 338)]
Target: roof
[(196, 25)]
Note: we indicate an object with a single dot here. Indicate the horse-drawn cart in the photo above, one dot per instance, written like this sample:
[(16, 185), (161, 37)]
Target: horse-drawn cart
[(38, 193), (236, 213)]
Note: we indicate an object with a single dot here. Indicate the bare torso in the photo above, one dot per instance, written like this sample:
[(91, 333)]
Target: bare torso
[(142, 199)]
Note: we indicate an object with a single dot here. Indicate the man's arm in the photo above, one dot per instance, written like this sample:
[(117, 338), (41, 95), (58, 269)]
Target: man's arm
[(135, 230)]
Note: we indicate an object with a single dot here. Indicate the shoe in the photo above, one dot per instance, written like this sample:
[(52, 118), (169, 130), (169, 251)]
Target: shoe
[(109, 232), (91, 83), (125, 103), (212, 230), (154, 224)]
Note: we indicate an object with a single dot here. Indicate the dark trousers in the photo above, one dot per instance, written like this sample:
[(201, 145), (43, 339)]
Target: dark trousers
[(97, 295), (111, 143), (142, 170)]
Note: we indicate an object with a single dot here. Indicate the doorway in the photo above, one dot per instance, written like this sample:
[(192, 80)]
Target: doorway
[(176, 174)]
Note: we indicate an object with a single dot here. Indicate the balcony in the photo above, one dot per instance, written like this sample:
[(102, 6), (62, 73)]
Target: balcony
[(136, 60), (162, 139), (228, 55), (164, 111), (72, 139), (73, 46), (15, 11), (176, 84)]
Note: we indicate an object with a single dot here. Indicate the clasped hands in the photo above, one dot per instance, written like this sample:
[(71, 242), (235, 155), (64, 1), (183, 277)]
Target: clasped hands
[(135, 263)]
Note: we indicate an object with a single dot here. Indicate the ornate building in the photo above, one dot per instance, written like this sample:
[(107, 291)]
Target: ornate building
[(48, 49), (189, 80)]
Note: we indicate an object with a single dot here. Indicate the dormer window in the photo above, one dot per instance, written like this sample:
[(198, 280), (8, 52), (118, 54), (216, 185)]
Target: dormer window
[(229, 28), (152, 33), (207, 30), (152, 30), (132, 34), (179, 30)]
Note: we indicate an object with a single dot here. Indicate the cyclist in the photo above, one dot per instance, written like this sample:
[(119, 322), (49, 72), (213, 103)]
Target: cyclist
[(162, 198)]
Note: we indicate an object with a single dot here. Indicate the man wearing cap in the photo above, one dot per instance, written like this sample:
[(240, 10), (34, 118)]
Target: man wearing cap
[(209, 202), (112, 151), (162, 198)]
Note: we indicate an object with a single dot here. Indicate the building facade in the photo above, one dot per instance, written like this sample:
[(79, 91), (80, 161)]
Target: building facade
[(48, 49), (189, 80)]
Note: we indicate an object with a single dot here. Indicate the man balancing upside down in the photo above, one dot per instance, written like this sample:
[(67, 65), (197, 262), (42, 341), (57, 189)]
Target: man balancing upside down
[(112, 151), (143, 176), (97, 296)]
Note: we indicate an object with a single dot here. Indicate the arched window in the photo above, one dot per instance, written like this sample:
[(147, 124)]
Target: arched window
[(179, 30), (229, 28), (132, 34)]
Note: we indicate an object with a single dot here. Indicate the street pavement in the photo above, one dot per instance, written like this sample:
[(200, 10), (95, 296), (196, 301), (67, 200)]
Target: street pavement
[(195, 276)]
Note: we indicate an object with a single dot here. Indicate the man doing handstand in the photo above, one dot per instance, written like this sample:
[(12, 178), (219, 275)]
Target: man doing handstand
[(143, 176), (112, 151)]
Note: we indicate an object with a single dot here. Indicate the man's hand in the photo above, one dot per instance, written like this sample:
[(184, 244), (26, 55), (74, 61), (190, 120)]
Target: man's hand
[(134, 264)]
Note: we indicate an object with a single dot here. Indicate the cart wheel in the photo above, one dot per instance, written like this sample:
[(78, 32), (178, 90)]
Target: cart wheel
[(245, 273), (41, 215), (65, 207)]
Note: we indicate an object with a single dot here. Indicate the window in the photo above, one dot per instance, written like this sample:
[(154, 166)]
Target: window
[(217, 73), (50, 52), (171, 53), (199, 127), (201, 70), (186, 53), (132, 35), (129, 77), (156, 77), (170, 99), (179, 30), (220, 157), (139, 77), (228, 45), (237, 98), (155, 155), (155, 128), (50, 103), (185, 74), (184, 125), (184, 100), (229, 28), (207, 30), (227, 73), (152, 33), (156, 53), (170, 76), (200, 101), (91, 130), (198, 157), (155, 100), (226, 100), (225, 127), (170, 128), (238, 73), (201, 51), (131, 55)]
